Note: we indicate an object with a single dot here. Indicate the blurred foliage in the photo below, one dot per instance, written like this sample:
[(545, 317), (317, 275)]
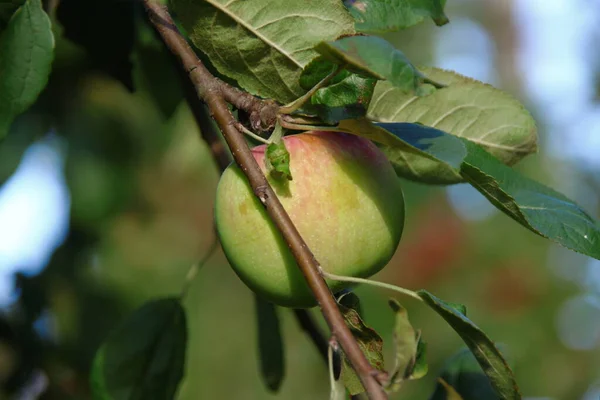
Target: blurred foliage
[(142, 184)]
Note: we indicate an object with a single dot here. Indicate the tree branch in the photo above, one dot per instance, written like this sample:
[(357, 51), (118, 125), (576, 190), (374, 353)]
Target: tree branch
[(213, 92)]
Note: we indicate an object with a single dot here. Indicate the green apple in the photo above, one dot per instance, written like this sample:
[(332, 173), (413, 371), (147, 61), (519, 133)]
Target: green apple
[(345, 200)]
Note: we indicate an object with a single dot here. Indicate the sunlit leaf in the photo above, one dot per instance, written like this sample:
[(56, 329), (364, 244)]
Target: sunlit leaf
[(263, 44), (466, 108), (379, 16), (26, 54), (144, 357), (270, 344), (535, 206)]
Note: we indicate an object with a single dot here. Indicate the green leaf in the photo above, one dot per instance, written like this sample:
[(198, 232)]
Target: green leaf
[(405, 342), (369, 342), (344, 100), (144, 357), (7, 9), (27, 50), (270, 344), (263, 44), (463, 374), (346, 96), (277, 161), (420, 367), (107, 47), (317, 70), (379, 16), (465, 108), (487, 354), (533, 205), (375, 57)]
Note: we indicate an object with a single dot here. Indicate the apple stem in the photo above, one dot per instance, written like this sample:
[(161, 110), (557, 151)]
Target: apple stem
[(253, 135), (299, 102), (291, 124), (383, 285)]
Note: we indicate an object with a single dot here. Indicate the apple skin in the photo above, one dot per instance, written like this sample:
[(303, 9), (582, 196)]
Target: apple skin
[(345, 200)]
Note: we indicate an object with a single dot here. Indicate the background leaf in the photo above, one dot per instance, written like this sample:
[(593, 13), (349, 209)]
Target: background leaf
[(144, 357), (464, 375), (270, 344), (535, 206), (487, 354), (109, 52), (7, 9), (375, 57), (466, 108), (379, 16), (449, 393), (27, 51), (263, 44)]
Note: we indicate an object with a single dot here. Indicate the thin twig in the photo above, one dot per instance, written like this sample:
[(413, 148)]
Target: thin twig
[(212, 92), (384, 285)]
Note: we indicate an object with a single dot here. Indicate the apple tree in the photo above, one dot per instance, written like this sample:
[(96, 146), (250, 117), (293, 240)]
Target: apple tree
[(312, 117)]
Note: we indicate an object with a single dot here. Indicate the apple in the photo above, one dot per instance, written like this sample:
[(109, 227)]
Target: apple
[(345, 200)]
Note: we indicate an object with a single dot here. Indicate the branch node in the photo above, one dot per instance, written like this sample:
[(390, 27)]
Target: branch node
[(261, 193)]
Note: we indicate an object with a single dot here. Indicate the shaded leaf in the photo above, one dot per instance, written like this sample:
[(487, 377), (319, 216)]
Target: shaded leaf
[(344, 100), (26, 54), (144, 357), (270, 344), (277, 161), (375, 57), (379, 16), (7, 9), (535, 206), (464, 375), (347, 95), (263, 44), (109, 50), (317, 70), (369, 342), (466, 108), (155, 69), (420, 367), (451, 394), (487, 354)]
